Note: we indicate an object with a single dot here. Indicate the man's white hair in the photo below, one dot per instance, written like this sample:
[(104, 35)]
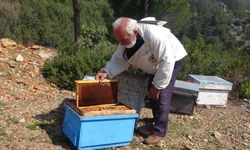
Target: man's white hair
[(130, 26)]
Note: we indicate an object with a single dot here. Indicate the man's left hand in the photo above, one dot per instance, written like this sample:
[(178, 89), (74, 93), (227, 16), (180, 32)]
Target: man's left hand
[(154, 93)]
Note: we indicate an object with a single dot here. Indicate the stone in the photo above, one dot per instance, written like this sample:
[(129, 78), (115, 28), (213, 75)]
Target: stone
[(7, 42), (19, 58), (35, 47), (217, 135), (22, 120), (36, 70), (46, 54)]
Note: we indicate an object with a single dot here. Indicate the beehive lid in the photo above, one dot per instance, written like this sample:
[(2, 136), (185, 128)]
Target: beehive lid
[(186, 87), (92, 92), (211, 82)]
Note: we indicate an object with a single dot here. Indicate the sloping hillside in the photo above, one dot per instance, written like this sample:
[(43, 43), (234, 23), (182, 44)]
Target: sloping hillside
[(31, 111)]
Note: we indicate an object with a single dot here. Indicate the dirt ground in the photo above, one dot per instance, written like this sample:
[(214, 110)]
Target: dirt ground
[(31, 112)]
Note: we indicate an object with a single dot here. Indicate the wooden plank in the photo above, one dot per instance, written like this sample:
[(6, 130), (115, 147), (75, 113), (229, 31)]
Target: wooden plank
[(95, 81)]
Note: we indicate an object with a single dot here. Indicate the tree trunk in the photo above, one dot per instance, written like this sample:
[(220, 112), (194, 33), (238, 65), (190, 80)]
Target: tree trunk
[(144, 6), (77, 30)]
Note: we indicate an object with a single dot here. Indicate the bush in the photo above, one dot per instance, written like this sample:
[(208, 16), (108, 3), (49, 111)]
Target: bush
[(245, 90), (209, 59), (65, 69), (49, 23)]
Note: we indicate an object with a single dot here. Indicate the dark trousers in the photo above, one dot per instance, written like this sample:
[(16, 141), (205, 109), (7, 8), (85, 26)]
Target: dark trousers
[(161, 108)]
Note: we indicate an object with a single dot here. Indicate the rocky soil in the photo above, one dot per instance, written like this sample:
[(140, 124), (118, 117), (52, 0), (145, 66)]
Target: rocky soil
[(31, 111)]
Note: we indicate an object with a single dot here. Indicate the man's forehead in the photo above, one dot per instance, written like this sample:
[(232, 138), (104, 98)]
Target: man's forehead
[(119, 31)]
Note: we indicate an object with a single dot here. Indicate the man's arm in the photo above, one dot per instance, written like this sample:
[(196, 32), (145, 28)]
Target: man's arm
[(163, 51)]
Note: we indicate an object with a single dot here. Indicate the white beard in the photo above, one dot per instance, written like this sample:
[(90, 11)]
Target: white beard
[(129, 45)]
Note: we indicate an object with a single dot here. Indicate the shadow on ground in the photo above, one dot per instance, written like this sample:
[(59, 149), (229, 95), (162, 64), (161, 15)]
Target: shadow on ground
[(52, 123)]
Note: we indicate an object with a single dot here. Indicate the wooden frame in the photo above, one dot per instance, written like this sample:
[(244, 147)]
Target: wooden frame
[(100, 110), (105, 92), (97, 99)]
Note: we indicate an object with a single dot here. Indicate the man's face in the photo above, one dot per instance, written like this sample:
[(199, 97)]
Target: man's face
[(123, 37)]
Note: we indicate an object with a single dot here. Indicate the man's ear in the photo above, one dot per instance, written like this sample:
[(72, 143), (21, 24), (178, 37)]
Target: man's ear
[(135, 32)]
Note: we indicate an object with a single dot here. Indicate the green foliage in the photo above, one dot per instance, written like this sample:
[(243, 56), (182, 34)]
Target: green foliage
[(177, 13), (236, 7), (34, 126), (204, 26), (2, 132), (121, 8), (91, 35), (211, 22), (208, 59), (245, 90), (48, 23), (9, 13), (67, 68), (247, 32)]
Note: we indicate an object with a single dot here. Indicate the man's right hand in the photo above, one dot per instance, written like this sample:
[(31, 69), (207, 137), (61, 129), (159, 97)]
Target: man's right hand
[(101, 75)]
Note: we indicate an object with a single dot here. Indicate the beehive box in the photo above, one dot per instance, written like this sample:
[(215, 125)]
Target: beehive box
[(184, 97), (213, 90), (95, 119)]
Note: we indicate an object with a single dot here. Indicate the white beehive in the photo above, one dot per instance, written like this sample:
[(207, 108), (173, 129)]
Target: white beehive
[(213, 90)]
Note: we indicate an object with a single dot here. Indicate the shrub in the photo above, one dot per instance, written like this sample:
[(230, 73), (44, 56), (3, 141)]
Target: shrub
[(245, 90), (209, 59), (65, 69)]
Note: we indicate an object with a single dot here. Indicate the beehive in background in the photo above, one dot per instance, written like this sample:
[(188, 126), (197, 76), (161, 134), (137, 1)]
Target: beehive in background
[(213, 90)]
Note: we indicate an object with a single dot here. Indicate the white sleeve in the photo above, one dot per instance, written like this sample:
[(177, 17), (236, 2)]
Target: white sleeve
[(164, 73), (117, 64), (163, 52)]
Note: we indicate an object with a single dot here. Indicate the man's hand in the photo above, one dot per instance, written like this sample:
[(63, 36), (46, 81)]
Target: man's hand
[(101, 75), (154, 93)]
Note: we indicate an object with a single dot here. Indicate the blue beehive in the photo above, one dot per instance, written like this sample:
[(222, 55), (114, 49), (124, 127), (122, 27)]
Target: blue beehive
[(101, 125)]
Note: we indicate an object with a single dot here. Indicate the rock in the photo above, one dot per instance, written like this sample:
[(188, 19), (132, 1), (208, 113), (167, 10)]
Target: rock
[(36, 70), (190, 137), (208, 106), (7, 42), (35, 47), (247, 125), (3, 66), (46, 55), (12, 64), (217, 135), (32, 74), (246, 136), (191, 117), (22, 120), (19, 47), (19, 58)]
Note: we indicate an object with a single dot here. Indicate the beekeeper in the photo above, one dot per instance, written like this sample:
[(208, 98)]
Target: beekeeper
[(155, 50)]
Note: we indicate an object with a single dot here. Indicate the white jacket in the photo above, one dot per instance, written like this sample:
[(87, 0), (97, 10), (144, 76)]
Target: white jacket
[(157, 55)]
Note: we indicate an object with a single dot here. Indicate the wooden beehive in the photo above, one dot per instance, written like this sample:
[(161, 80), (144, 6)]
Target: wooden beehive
[(98, 99)]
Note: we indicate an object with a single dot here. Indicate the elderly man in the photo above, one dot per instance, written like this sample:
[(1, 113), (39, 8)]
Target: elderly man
[(156, 51)]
